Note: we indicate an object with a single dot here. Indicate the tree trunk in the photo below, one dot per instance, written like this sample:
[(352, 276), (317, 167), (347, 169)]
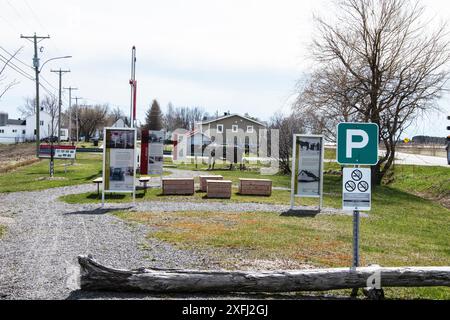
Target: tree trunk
[(95, 276)]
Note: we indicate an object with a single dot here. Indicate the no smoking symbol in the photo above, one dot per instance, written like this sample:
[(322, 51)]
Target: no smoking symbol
[(357, 175), (363, 186), (350, 186)]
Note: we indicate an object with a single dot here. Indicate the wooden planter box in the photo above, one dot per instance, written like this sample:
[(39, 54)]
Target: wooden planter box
[(218, 189), (178, 186), (203, 181), (255, 187)]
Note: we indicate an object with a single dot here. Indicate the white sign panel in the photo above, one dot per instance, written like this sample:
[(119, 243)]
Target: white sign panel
[(356, 189), (155, 152), (119, 160)]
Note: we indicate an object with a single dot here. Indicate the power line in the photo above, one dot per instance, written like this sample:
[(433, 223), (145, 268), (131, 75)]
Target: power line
[(36, 70), (60, 72), (19, 15), (36, 17), (15, 58), (15, 68)]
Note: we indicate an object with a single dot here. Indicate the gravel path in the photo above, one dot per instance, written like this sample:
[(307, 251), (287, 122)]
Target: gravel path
[(38, 253)]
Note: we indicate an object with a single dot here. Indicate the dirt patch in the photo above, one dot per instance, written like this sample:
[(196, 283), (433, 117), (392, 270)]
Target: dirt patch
[(442, 200), (269, 265), (50, 178), (13, 156)]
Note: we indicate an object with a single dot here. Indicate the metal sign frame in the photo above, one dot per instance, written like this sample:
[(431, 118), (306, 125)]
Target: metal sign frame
[(104, 164), (294, 171)]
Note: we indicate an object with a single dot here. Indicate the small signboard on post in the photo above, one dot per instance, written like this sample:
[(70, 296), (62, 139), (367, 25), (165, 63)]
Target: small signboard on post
[(357, 144), (59, 152), (307, 168), (356, 189)]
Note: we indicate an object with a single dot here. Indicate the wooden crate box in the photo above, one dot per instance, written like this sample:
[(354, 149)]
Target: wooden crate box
[(256, 187), (204, 178), (178, 186), (218, 189)]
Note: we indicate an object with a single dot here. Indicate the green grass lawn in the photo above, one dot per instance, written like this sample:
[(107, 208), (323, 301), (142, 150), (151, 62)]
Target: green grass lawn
[(428, 181), (2, 231), (89, 144), (401, 230), (36, 176)]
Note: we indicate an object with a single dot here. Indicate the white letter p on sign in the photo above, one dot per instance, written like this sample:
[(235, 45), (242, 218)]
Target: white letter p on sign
[(355, 145)]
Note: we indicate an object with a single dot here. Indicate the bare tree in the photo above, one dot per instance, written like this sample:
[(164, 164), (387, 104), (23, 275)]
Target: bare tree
[(116, 114), (183, 117), (91, 118), (48, 104), (287, 126), (378, 63)]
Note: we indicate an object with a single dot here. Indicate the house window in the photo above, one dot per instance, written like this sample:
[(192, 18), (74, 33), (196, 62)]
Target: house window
[(23, 131), (220, 128), (41, 123), (250, 129), (234, 128), (14, 131), (2, 131)]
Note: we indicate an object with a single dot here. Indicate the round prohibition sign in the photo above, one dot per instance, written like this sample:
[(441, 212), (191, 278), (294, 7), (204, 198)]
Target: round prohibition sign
[(363, 186), (350, 186), (357, 175)]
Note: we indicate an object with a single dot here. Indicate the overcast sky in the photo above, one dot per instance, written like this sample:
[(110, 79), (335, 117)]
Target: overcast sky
[(228, 55)]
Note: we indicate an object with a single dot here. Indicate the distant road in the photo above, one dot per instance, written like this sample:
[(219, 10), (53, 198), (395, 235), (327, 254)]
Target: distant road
[(420, 160)]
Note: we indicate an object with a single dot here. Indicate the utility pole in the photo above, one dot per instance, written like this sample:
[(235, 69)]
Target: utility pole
[(36, 69), (70, 111), (60, 101), (76, 115)]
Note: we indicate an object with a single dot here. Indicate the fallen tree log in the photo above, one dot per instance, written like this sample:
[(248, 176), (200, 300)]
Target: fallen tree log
[(95, 276)]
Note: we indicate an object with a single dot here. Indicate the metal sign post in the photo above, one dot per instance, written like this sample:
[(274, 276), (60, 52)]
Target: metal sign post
[(357, 144)]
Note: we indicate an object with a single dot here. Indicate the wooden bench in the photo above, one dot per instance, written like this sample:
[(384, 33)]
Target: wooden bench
[(203, 181), (98, 181), (218, 189), (178, 186), (256, 187)]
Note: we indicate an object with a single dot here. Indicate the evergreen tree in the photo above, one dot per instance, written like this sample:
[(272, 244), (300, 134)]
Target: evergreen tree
[(153, 117)]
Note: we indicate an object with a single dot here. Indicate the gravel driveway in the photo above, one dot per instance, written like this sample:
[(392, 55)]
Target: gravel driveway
[(38, 254)]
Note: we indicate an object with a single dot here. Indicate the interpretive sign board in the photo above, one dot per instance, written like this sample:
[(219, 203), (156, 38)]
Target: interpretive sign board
[(307, 167), (119, 164), (152, 152)]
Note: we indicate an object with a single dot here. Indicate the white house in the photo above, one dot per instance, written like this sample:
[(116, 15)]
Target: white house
[(22, 130)]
